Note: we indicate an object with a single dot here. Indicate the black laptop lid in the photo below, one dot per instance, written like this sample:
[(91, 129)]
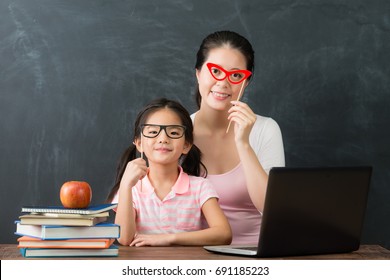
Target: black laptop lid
[(314, 210)]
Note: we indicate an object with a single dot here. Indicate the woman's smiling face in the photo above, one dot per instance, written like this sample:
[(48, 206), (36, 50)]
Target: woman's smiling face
[(218, 94)]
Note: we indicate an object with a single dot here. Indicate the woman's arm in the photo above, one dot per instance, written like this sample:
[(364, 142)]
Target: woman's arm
[(255, 175), (219, 231)]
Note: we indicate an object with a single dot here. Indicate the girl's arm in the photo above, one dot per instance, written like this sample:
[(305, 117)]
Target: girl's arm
[(125, 216), (125, 213), (219, 231)]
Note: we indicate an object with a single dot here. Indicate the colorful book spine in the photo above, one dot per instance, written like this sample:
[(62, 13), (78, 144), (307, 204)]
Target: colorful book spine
[(112, 251)]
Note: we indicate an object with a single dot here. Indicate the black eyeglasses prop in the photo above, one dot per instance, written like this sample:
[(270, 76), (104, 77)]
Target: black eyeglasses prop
[(172, 131)]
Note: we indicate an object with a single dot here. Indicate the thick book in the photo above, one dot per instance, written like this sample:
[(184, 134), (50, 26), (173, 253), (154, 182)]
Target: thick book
[(112, 251), (48, 232), (60, 209), (66, 215), (81, 220), (96, 243)]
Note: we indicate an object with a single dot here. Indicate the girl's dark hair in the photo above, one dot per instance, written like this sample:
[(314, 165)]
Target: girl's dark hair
[(221, 39), (191, 163)]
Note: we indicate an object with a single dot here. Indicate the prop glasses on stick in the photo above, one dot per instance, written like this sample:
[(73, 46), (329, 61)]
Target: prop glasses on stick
[(172, 131), (234, 77)]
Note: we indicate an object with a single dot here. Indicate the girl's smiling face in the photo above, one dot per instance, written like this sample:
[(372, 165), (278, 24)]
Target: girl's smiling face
[(218, 94), (163, 149)]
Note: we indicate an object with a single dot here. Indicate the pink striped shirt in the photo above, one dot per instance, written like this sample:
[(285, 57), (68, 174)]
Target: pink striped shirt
[(179, 211)]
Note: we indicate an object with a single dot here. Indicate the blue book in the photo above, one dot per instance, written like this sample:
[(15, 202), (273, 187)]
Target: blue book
[(95, 209), (112, 251), (49, 232)]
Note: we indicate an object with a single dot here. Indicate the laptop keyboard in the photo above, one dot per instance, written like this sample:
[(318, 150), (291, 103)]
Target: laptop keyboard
[(248, 248)]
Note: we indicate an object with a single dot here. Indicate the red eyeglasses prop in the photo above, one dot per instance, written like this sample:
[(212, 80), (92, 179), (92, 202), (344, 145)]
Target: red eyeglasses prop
[(235, 76)]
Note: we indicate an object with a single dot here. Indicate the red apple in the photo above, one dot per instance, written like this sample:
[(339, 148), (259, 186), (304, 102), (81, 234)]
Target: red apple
[(75, 194)]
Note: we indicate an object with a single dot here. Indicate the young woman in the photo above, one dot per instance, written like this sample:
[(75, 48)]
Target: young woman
[(161, 204), (237, 160)]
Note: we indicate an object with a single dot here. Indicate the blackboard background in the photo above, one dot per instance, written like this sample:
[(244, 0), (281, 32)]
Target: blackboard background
[(73, 74)]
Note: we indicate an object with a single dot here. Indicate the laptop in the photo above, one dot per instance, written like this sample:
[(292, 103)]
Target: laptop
[(309, 211)]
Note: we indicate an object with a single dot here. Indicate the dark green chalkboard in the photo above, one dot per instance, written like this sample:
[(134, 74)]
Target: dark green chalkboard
[(73, 74)]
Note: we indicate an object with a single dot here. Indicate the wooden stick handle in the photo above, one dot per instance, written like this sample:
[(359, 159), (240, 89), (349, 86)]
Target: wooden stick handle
[(238, 99)]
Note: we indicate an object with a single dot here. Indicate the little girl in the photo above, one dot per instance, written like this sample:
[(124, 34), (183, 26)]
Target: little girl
[(162, 204)]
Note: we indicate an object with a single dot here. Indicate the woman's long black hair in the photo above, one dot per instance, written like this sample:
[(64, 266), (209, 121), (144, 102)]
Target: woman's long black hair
[(191, 163)]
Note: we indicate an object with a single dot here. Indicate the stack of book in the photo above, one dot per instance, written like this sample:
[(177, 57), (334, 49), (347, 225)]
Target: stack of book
[(55, 231)]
